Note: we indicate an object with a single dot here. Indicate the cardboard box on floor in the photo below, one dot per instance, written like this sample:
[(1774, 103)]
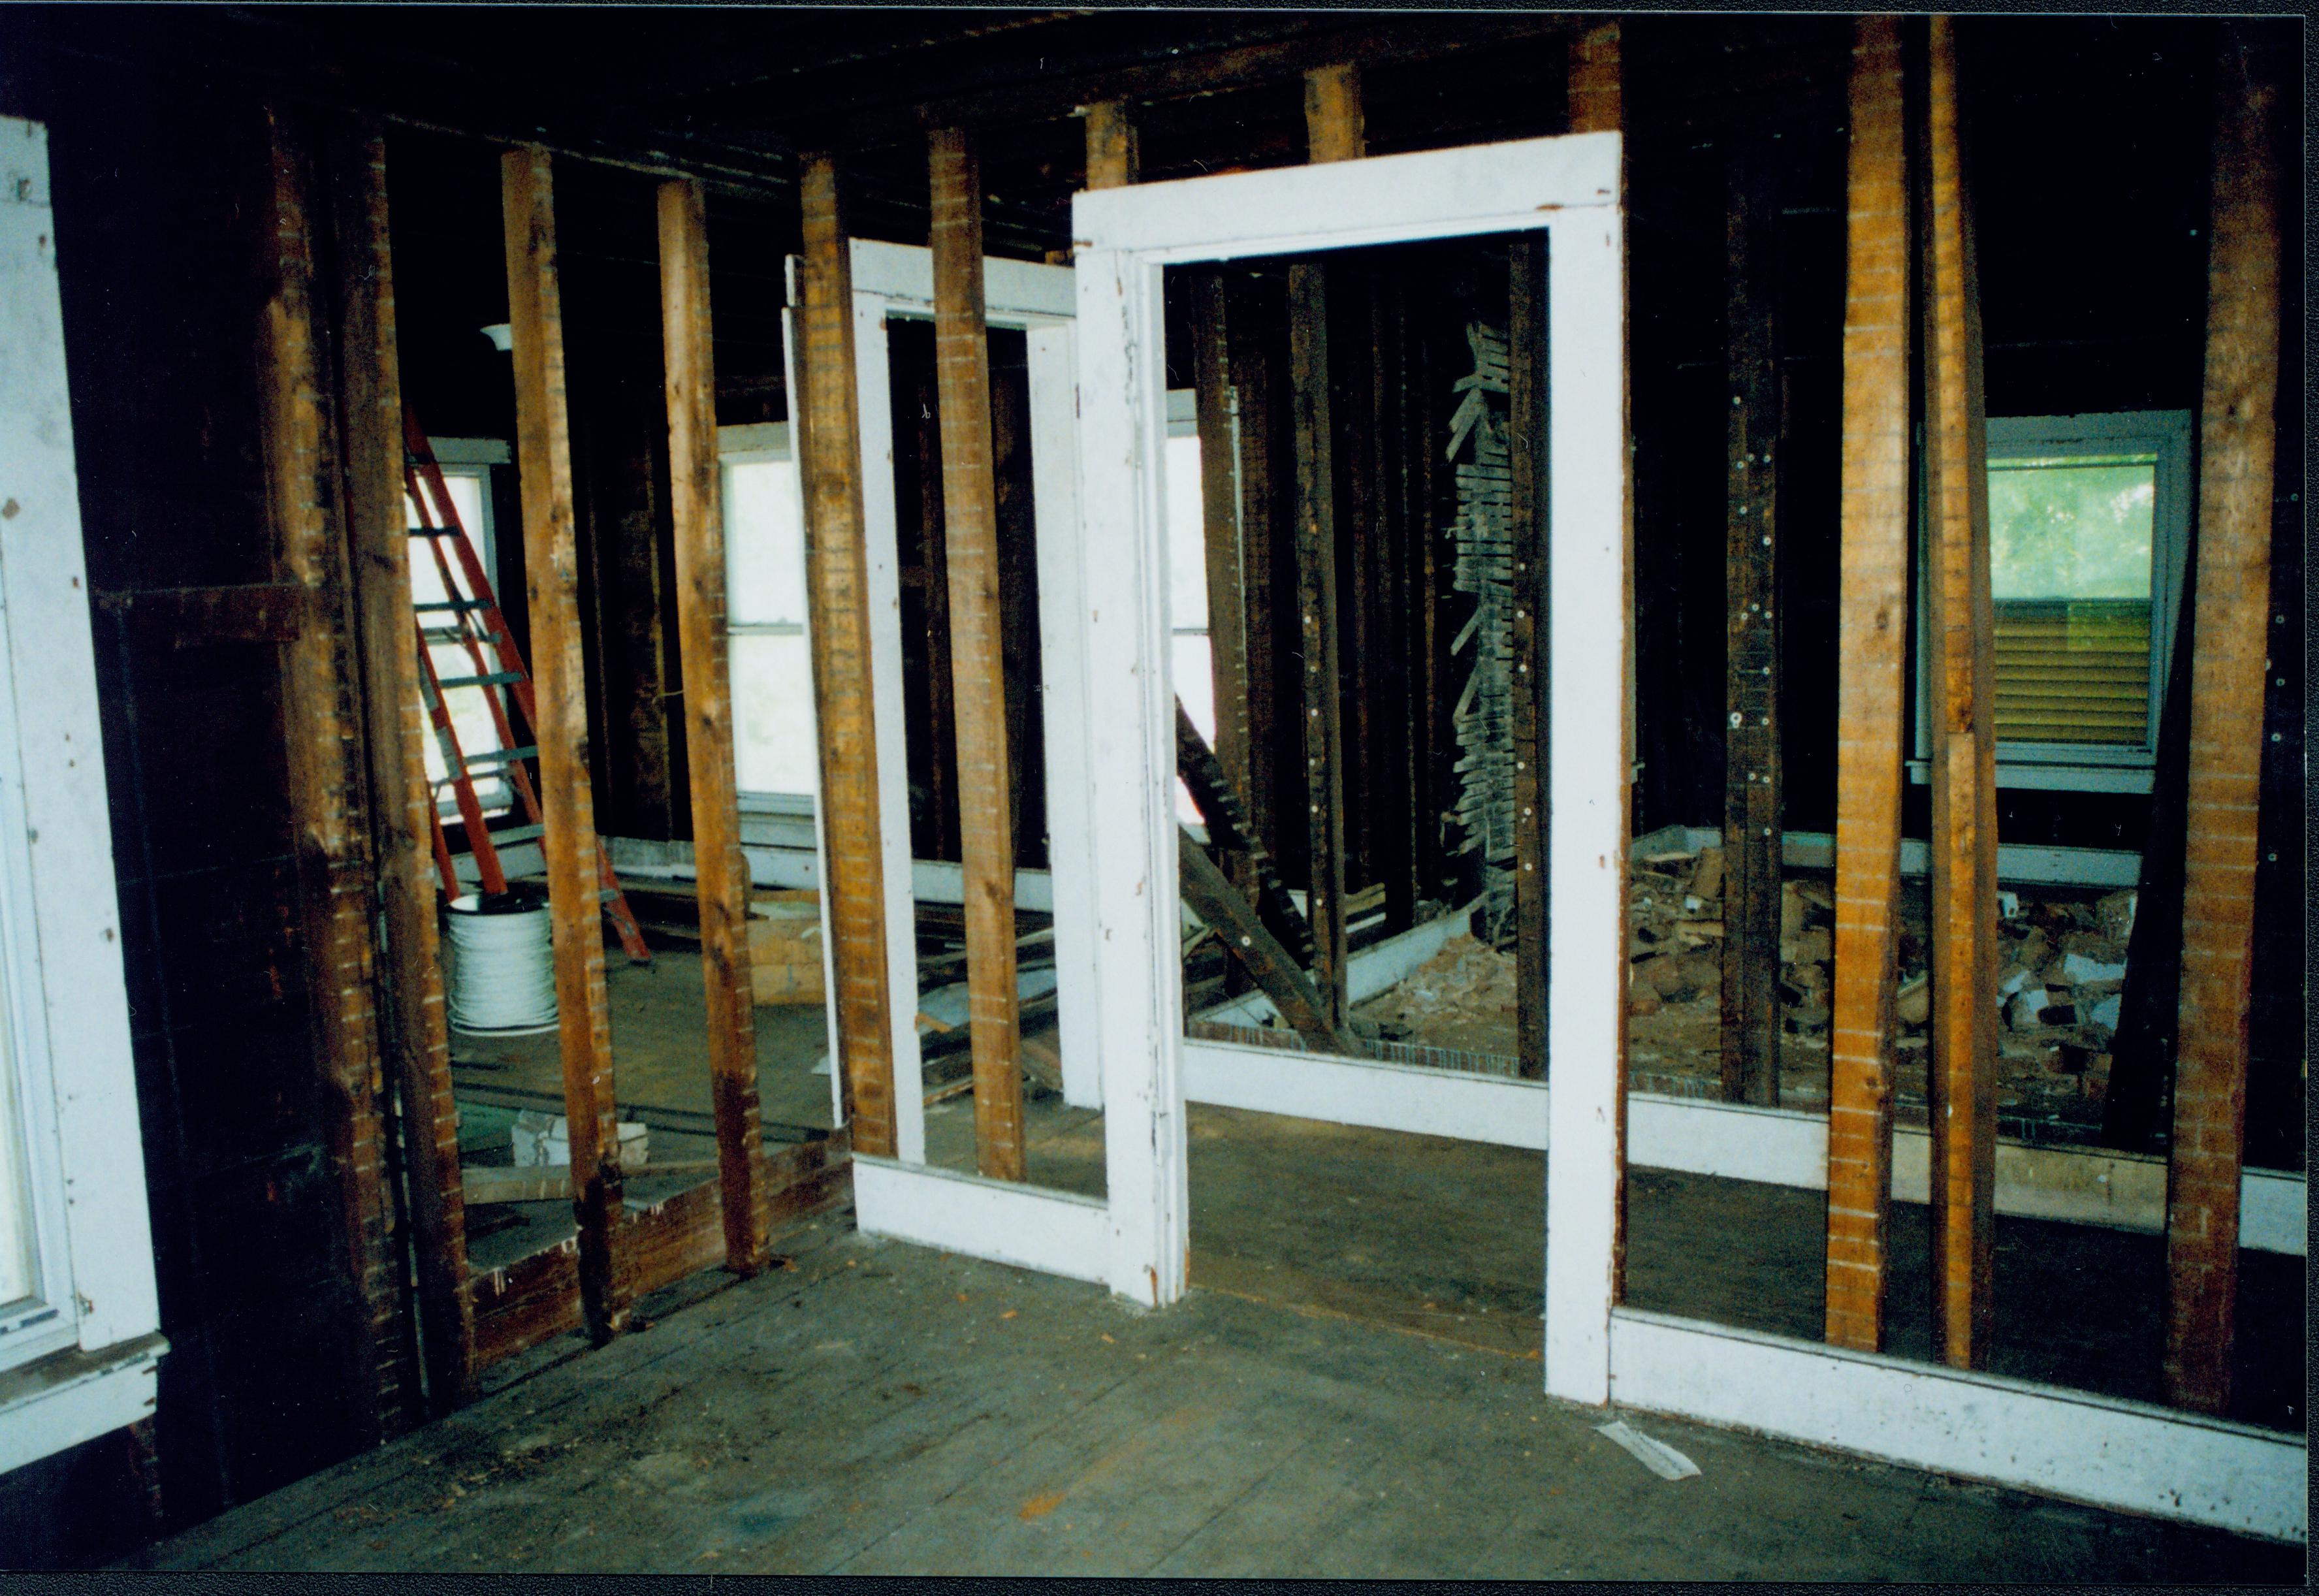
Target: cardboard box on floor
[(785, 947)]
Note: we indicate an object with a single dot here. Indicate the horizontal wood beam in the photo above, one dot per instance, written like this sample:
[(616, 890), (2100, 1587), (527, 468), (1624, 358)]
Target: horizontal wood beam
[(190, 617)]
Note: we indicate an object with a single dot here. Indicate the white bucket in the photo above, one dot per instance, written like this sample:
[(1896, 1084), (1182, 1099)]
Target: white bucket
[(503, 964)]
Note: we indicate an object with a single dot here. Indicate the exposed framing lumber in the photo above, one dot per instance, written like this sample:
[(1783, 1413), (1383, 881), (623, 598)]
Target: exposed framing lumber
[(1334, 127), (567, 808), (1597, 103), (1961, 621), (1316, 600), (837, 599), (1530, 440), (2236, 447), (1228, 638), (1112, 150), (977, 664), (1871, 643), (1392, 791), (1751, 670), (198, 617), (417, 1037), (1252, 360), (327, 772), (695, 503), (1246, 937)]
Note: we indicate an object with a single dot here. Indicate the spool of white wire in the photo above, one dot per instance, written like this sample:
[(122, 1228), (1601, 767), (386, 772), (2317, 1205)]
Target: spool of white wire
[(503, 963)]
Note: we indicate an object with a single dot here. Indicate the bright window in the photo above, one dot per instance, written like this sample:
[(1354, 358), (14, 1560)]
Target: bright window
[(468, 464), (777, 759), (2088, 527), (1188, 581)]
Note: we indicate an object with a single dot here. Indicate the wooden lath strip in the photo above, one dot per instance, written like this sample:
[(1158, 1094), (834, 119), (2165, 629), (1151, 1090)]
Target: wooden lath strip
[(567, 808), (1961, 625), (327, 775), (2229, 636), (695, 503), (416, 1034), (837, 596), (1872, 639), (1751, 698), (977, 664), (1316, 602), (1529, 443)]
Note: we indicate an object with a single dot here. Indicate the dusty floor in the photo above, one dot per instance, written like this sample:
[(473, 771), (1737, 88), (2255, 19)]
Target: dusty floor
[(883, 1409)]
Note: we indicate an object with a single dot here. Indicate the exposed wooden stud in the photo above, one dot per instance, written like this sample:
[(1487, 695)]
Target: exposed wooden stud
[(1597, 104), (696, 502), (567, 808), (1211, 392), (1251, 363), (838, 597), (417, 1037), (2236, 447), (1872, 639), (1222, 908), (1751, 700), (1391, 789), (1112, 152), (1960, 627), (977, 663), (1529, 440), (1316, 600), (1334, 124), (327, 771)]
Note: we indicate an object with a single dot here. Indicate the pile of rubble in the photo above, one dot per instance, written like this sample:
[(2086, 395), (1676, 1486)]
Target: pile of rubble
[(1462, 997), (2062, 957)]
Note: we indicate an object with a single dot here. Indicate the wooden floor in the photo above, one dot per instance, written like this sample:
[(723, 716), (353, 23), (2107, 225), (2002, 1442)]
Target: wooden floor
[(883, 1409)]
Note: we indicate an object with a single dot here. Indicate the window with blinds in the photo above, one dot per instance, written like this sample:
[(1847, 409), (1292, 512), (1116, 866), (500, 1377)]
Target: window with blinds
[(2069, 569), (2088, 530)]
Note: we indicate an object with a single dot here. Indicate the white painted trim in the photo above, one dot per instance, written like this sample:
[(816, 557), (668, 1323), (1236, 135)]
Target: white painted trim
[(757, 440), (2101, 1450), (471, 451), (1587, 773), (1434, 193), (1019, 294), (1384, 1096), (2018, 862), (882, 579), (43, 1415), (1055, 1232), (68, 1001), (1070, 836), (1127, 730)]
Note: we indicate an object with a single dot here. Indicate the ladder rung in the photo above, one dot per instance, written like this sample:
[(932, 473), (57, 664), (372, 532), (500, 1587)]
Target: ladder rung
[(518, 834), (500, 756), (433, 604), (444, 634), (434, 531), (495, 679)]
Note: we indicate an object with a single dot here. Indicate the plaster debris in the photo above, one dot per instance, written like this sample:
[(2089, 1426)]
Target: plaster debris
[(1657, 1457)]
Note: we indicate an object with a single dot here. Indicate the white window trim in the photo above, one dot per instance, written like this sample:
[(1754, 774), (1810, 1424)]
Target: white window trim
[(2082, 767), (896, 282), (754, 442), (67, 997)]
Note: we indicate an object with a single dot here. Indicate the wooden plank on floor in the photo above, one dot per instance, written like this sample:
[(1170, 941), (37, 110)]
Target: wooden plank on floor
[(1316, 600), (1751, 697), (409, 970), (1961, 627), (837, 597), (1872, 640), (695, 503), (2236, 446), (977, 664), (327, 769), (1335, 129), (1111, 145), (1528, 443), (567, 808)]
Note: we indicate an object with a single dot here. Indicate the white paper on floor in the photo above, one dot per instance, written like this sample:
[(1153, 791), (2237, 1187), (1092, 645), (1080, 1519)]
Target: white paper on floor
[(1657, 1457)]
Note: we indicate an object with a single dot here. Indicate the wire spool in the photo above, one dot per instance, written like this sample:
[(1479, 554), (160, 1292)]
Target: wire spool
[(503, 963)]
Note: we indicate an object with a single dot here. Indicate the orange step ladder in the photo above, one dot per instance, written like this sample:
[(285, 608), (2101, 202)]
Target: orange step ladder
[(468, 614)]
